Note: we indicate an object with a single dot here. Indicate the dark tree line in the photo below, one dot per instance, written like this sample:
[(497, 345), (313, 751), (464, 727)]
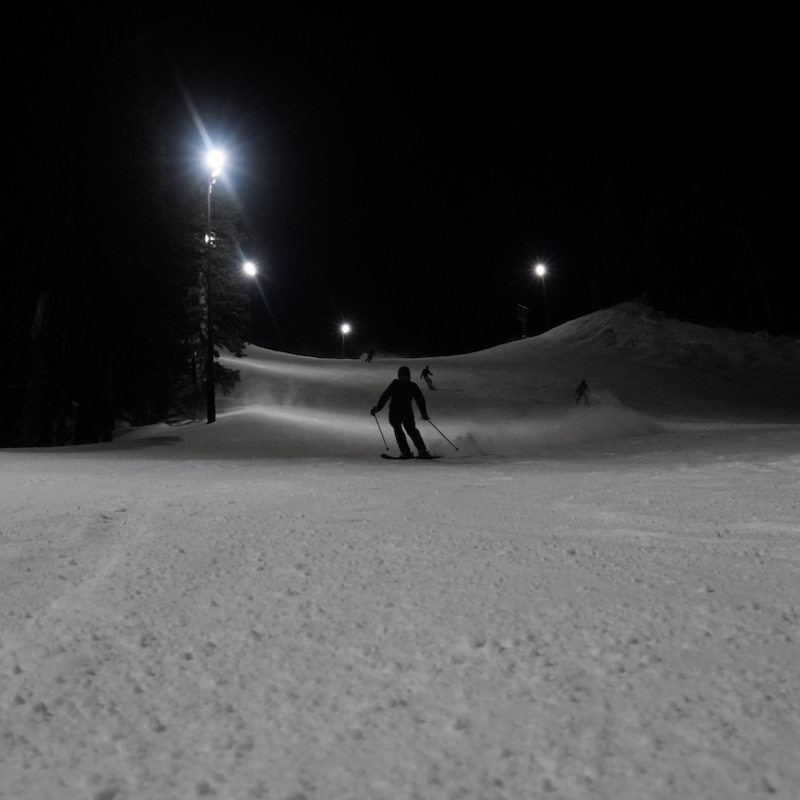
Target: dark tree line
[(710, 248), (698, 206), (100, 301)]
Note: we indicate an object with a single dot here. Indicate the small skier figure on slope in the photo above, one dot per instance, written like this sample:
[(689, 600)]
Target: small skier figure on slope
[(370, 355), (426, 375), (583, 393), (400, 393)]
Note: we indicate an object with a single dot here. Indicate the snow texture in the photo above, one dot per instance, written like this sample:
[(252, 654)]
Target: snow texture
[(580, 602)]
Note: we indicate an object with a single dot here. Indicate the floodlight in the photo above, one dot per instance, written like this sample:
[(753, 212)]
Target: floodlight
[(215, 161)]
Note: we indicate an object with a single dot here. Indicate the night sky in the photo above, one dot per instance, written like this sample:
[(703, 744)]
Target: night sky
[(403, 166)]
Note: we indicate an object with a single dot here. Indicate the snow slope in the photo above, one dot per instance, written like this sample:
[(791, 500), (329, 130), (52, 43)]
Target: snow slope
[(580, 602)]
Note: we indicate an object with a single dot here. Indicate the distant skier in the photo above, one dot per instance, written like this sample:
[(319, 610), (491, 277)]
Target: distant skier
[(426, 376), (583, 393), (370, 355), (401, 414)]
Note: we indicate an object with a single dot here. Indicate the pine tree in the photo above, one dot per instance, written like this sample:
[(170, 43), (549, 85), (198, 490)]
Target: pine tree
[(230, 301)]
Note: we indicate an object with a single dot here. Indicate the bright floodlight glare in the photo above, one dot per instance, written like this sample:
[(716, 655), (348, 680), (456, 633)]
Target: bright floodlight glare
[(215, 160), (540, 270), (345, 328), (250, 268)]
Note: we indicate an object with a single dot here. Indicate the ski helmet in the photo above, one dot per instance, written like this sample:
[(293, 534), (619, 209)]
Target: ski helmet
[(404, 372)]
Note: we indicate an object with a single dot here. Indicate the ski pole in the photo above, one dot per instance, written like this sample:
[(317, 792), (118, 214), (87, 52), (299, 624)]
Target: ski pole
[(381, 432), (443, 436)]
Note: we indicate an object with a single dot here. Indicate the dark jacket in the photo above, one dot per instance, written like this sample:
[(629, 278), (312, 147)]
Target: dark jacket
[(400, 394)]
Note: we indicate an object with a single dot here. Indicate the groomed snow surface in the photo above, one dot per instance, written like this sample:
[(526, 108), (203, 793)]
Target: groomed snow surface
[(595, 601)]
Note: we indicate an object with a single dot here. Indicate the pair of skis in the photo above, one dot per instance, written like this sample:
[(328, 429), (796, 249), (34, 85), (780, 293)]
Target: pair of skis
[(413, 458)]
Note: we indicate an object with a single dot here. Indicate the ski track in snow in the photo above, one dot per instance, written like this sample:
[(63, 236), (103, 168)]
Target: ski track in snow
[(614, 618)]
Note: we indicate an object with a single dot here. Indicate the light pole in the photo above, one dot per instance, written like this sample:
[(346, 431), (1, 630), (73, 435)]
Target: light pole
[(215, 159), (251, 270), (541, 271), (345, 330)]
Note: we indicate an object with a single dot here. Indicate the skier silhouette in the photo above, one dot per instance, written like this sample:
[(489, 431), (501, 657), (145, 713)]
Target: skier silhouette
[(426, 375), (370, 355), (583, 393), (401, 415)]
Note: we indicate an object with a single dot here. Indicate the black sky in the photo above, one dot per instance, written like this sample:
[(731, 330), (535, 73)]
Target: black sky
[(403, 167)]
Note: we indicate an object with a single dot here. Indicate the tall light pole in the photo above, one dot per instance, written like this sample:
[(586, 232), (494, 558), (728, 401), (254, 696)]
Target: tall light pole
[(345, 329), (215, 159), (541, 271)]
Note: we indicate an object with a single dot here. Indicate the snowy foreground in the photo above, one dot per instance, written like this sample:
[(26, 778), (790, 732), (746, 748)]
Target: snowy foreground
[(590, 602)]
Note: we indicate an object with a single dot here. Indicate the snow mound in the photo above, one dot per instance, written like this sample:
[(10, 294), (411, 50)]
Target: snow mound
[(642, 368), (575, 426)]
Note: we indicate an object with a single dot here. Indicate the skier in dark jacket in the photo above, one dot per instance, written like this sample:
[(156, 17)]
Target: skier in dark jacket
[(583, 393), (401, 415)]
